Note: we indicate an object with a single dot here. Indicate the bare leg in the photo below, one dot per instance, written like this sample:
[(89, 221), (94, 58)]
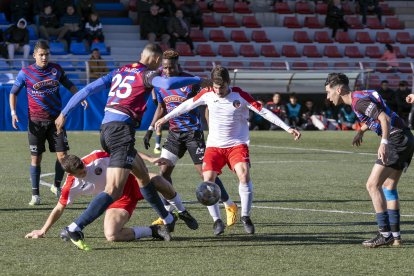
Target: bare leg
[(115, 220)]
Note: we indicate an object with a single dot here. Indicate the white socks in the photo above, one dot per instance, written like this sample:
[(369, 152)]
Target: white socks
[(141, 232), (176, 203), (246, 198), (73, 227), (214, 211)]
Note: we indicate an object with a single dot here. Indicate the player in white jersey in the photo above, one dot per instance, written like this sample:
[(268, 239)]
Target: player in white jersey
[(88, 177), (228, 138)]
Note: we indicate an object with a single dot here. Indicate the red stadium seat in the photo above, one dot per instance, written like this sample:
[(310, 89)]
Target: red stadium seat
[(343, 37), (393, 80), (353, 52), (290, 51), (321, 8), (229, 21), (217, 35), (394, 23), (398, 52), (203, 6), (405, 67), (278, 65), (299, 65), (242, 7), (269, 51), (331, 51), (320, 66), (312, 22), (247, 50), (322, 37), (384, 37), (209, 21), (386, 10), (363, 37), (220, 7), (250, 21), (231, 65), (410, 51), (184, 50), (301, 37), (311, 51), (373, 23), (404, 38), (373, 81), (291, 22), (257, 65), (259, 36), (282, 8), (341, 65), (238, 36), (205, 50), (197, 35), (347, 8), (372, 52), (303, 7), (354, 22), (226, 50), (193, 66)]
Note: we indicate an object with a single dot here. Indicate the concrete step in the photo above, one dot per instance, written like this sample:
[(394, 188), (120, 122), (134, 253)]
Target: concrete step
[(404, 10), (122, 36), (121, 29), (409, 24)]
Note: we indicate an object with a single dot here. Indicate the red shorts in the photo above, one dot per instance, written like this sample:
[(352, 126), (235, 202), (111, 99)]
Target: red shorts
[(130, 196), (216, 158)]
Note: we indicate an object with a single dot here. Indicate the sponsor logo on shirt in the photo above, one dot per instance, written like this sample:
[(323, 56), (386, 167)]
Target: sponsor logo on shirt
[(369, 109), (46, 83), (236, 103), (174, 98)]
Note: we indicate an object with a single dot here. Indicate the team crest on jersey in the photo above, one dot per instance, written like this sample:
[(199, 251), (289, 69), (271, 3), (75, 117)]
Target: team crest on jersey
[(98, 171), (183, 89), (174, 98), (54, 71), (236, 103)]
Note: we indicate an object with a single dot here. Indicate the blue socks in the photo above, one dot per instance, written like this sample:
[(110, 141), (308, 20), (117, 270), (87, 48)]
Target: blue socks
[(35, 177), (383, 221), (96, 208), (224, 195), (59, 173), (151, 195), (158, 139), (394, 216)]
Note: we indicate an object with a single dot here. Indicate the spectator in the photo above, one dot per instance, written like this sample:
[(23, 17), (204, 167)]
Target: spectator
[(39, 7), (60, 7), (335, 17), (366, 6), (97, 65), (293, 110), (311, 117), (390, 57), (93, 29), (73, 23), (347, 118), (21, 9), (277, 108), (85, 8), (17, 37), (192, 12), (329, 114), (167, 9), (179, 28), (257, 122), (388, 95), (403, 108), (143, 10), (154, 27), (49, 25)]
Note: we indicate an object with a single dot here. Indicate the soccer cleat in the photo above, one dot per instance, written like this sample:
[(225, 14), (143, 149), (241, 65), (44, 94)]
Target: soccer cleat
[(218, 227), (35, 200), (248, 224), (231, 213), (77, 238), (157, 150), (56, 191), (378, 240), (397, 241), (188, 219), (159, 232)]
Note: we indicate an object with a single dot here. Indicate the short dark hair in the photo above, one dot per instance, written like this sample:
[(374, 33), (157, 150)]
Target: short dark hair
[(41, 44), (335, 79), (220, 75), (293, 95), (153, 49), (170, 54), (384, 81), (71, 163)]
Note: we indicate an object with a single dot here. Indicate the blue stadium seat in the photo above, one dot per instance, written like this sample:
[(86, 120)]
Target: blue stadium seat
[(3, 65), (32, 33), (116, 21), (109, 7), (57, 48), (67, 65), (101, 47), (3, 20), (78, 48)]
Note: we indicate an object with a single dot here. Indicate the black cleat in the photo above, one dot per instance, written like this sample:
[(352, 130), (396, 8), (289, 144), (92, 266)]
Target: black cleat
[(188, 219), (378, 240), (170, 226), (160, 232), (248, 224), (218, 227)]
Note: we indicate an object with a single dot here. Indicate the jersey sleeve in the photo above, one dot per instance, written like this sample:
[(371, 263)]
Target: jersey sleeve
[(19, 83), (148, 76), (64, 80), (64, 196), (158, 95), (368, 107)]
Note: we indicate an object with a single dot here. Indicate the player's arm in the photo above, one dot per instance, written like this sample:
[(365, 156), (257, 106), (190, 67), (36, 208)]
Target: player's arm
[(154, 80), (155, 160), (159, 112), (53, 217), (16, 88), (385, 121)]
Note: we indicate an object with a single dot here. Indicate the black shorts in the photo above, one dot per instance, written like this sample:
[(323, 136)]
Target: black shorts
[(40, 131), (179, 142), (400, 150), (118, 139)]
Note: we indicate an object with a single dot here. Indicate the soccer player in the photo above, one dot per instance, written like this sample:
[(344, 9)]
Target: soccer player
[(185, 134), (394, 153), (129, 88), (42, 80), (228, 138), (87, 176)]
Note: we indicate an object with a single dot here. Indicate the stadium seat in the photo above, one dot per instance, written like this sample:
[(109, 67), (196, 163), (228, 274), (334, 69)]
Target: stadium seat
[(405, 67), (3, 20), (57, 48), (291, 22), (193, 66), (197, 35), (373, 82), (393, 80), (354, 22), (278, 65), (67, 65), (386, 10), (231, 65), (220, 7), (247, 50), (384, 37), (341, 65), (393, 23), (238, 36), (312, 22), (260, 36), (282, 8), (320, 66), (257, 65), (109, 6), (205, 50), (404, 38), (32, 32), (372, 52), (217, 35), (116, 21), (229, 21), (242, 7), (343, 37), (101, 47), (398, 52), (353, 52), (321, 8), (373, 23), (202, 5), (303, 7), (331, 51), (184, 50), (301, 37), (363, 37), (299, 65), (347, 8), (269, 51), (209, 21), (322, 37), (311, 51), (290, 51), (250, 21), (410, 51), (78, 48), (226, 50)]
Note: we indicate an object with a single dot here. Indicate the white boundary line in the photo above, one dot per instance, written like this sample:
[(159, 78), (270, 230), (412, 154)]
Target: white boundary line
[(310, 149)]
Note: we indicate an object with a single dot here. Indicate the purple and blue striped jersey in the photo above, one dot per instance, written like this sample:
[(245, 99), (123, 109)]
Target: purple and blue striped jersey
[(42, 85), (368, 105), (173, 98)]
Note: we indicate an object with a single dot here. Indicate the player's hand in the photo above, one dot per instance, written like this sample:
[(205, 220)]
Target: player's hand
[(35, 234), (159, 123), (161, 161), (383, 153), (296, 134), (410, 98), (147, 139), (358, 139), (84, 104), (60, 123), (15, 120)]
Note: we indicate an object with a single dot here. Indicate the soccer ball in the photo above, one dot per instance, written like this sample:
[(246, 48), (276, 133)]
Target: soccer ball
[(208, 193)]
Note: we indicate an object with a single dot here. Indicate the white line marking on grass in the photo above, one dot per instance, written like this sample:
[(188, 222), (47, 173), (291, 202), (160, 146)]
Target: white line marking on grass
[(310, 149)]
